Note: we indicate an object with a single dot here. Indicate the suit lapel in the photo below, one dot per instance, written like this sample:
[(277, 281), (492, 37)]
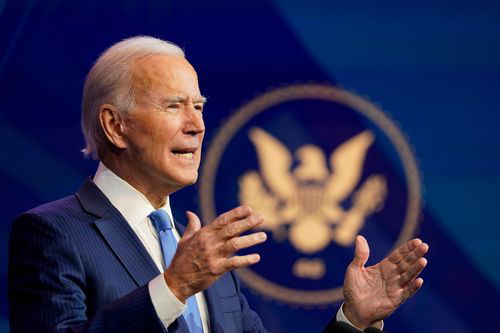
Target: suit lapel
[(134, 257), (214, 309), (127, 247), (118, 234)]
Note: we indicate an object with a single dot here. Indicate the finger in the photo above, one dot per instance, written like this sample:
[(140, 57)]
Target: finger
[(238, 243), (235, 214), (241, 261), (235, 228), (361, 252), (411, 274), (401, 252), (194, 224), (412, 257), (411, 289)]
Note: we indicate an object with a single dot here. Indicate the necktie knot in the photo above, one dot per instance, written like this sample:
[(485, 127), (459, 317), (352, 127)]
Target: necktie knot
[(161, 220)]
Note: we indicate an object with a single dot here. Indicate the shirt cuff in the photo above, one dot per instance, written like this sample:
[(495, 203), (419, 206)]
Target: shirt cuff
[(341, 317), (168, 308)]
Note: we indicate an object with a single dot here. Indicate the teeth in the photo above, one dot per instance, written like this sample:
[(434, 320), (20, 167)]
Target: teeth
[(185, 155)]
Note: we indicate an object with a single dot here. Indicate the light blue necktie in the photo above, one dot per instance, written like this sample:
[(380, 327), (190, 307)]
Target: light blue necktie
[(163, 225)]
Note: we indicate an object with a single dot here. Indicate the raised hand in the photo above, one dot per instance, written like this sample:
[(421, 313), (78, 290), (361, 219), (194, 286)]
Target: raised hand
[(204, 254), (373, 293)]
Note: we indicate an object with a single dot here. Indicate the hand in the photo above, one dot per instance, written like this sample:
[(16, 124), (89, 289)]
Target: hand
[(205, 254), (373, 293)]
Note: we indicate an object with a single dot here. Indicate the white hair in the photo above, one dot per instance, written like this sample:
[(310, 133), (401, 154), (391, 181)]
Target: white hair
[(110, 82)]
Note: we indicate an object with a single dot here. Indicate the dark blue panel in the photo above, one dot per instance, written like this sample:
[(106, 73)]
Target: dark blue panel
[(435, 65)]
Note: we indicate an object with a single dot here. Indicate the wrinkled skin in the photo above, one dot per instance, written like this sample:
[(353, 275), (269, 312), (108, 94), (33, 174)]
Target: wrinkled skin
[(373, 293), (205, 254)]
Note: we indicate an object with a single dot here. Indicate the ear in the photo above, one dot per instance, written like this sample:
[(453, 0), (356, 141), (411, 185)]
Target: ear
[(112, 125)]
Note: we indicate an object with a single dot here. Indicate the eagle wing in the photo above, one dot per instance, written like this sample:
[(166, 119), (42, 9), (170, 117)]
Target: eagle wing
[(254, 194), (275, 163), (347, 164)]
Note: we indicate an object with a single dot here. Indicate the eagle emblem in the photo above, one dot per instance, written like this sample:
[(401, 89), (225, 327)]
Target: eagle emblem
[(306, 202)]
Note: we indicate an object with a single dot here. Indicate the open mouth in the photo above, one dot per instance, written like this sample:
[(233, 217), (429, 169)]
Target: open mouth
[(186, 153)]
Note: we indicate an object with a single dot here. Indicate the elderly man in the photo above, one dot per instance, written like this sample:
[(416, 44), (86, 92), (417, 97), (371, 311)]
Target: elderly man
[(111, 258)]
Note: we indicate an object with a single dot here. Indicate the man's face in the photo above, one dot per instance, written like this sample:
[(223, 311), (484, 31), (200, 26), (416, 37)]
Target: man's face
[(165, 130)]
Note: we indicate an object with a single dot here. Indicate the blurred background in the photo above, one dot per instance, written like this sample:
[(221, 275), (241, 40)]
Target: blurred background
[(434, 66)]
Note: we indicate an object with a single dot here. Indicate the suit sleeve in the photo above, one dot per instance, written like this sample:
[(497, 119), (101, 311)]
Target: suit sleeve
[(47, 287)]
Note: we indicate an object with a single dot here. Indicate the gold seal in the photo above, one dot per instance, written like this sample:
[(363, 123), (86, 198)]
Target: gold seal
[(308, 199)]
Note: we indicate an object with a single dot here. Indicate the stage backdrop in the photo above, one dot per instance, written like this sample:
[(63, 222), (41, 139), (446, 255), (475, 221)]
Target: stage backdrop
[(331, 118)]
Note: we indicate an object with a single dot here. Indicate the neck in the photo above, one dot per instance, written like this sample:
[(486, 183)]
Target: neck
[(156, 195)]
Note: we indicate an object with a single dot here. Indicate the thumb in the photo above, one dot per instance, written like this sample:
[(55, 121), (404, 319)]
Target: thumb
[(361, 252), (194, 224)]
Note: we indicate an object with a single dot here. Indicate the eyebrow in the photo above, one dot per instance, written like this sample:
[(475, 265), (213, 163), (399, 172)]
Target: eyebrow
[(179, 99)]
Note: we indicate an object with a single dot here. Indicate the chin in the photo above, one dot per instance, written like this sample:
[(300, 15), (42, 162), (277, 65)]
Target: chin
[(193, 180), (186, 180)]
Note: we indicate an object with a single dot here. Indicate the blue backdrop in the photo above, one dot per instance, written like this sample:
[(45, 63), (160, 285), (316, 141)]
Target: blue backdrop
[(434, 65)]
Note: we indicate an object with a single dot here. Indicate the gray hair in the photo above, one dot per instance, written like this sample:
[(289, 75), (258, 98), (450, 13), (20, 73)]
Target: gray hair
[(110, 82)]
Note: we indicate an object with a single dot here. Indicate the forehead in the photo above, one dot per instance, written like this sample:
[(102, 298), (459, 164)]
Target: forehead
[(171, 74)]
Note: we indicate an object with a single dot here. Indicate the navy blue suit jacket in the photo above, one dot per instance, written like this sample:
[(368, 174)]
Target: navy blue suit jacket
[(75, 265)]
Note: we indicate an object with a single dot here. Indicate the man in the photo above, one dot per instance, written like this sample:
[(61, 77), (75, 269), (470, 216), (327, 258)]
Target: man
[(109, 257)]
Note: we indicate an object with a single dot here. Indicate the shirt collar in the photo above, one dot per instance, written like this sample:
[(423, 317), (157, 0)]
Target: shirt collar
[(131, 203)]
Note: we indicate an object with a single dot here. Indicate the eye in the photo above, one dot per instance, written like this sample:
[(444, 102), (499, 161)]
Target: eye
[(199, 107), (174, 107)]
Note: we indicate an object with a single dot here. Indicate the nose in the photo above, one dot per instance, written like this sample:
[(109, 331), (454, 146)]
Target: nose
[(194, 122)]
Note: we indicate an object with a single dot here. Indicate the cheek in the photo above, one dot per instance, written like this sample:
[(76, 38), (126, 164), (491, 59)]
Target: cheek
[(152, 137), (161, 134), (147, 146)]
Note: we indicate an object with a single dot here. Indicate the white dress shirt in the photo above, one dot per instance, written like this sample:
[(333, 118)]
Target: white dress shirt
[(341, 317), (135, 208)]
